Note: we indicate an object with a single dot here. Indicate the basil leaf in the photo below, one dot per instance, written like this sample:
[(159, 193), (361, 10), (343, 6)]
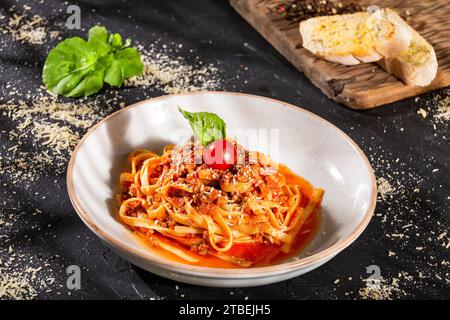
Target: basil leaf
[(115, 40), (98, 33), (91, 83), (98, 40), (207, 126), (67, 64), (113, 75), (126, 63), (76, 67)]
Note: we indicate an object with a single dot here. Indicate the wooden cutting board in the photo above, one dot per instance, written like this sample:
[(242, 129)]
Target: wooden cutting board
[(363, 86)]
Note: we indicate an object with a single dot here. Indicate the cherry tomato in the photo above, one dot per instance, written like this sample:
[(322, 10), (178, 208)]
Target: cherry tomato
[(220, 154)]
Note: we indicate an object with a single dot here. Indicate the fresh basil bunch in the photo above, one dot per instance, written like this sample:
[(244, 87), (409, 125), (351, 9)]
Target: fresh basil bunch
[(76, 67)]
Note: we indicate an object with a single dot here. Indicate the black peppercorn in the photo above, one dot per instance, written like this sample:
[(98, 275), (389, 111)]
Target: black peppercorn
[(298, 10)]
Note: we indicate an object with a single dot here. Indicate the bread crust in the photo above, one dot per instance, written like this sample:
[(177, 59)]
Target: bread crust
[(401, 37), (413, 73)]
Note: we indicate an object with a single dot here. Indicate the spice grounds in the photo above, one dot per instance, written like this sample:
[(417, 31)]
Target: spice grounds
[(299, 10)]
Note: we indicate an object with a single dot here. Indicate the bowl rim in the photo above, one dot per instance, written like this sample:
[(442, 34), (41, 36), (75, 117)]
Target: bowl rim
[(225, 273)]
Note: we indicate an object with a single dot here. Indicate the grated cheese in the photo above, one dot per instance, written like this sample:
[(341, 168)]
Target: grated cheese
[(31, 29), (384, 188), (174, 75)]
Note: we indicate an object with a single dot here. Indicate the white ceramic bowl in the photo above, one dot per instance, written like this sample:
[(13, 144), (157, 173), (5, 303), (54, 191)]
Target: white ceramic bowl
[(309, 145)]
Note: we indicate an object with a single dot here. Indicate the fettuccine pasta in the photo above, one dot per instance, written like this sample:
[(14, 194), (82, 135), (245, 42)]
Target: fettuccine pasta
[(246, 215)]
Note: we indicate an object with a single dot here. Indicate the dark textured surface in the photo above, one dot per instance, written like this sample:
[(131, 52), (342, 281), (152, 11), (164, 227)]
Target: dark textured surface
[(217, 34)]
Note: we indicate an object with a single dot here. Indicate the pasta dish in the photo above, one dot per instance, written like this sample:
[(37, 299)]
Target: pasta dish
[(250, 213)]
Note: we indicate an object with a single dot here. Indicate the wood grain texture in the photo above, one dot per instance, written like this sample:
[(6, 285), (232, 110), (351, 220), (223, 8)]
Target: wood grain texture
[(363, 86)]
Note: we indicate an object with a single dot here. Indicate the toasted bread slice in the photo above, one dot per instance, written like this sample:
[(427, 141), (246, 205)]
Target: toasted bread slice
[(415, 66), (333, 38), (354, 38)]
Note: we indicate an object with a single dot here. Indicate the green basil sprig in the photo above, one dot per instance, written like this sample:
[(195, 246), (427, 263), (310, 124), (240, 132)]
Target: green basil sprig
[(207, 126), (76, 67)]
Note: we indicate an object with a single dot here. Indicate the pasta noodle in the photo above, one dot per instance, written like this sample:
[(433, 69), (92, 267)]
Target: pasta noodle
[(243, 215)]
